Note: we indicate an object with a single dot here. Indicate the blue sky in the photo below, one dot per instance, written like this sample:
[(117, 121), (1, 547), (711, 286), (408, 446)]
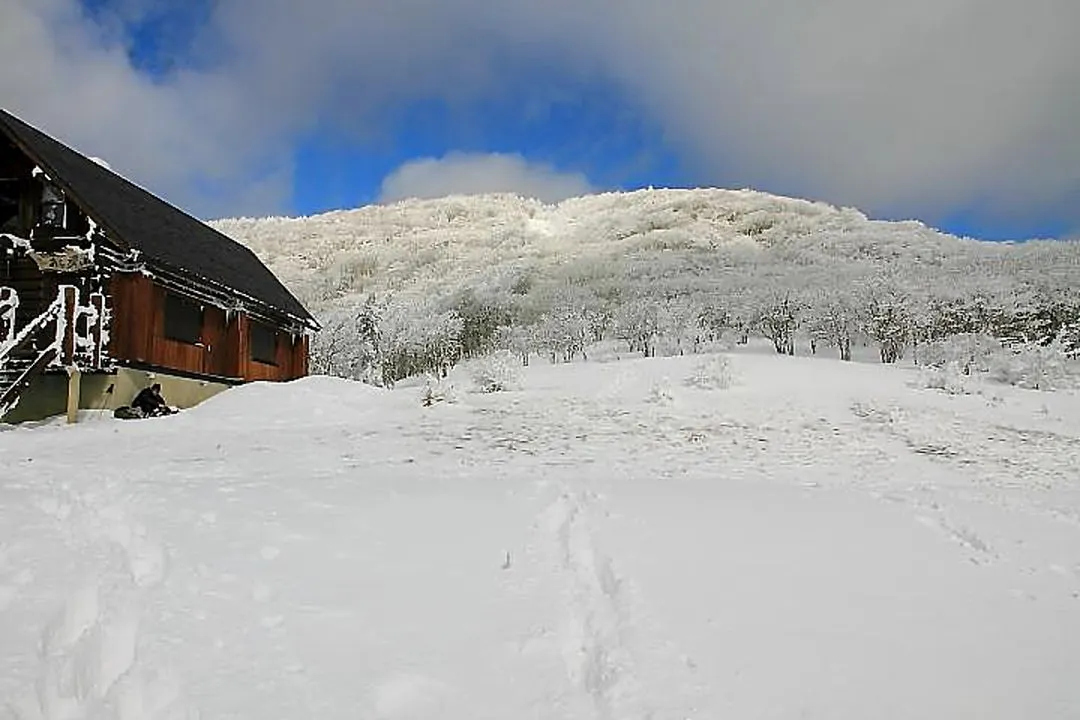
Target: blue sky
[(966, 118), (592, 130)]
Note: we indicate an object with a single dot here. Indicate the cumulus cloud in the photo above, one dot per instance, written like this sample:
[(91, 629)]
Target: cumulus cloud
[(474, 174), (186, 136), (914, 108)]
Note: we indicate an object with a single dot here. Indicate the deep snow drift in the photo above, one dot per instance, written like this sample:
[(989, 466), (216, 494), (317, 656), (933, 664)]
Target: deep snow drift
[(609, 541)]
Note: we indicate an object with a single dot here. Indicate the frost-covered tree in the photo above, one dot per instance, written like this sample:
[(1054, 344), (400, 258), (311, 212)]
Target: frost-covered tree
[(498, 264), (330, 352), (563, 332), (1070, 339), (779, 316), (713, 319), (417, 337), (348, 345), (599, 316), (638, 323), (886, 319), (482, 314), (520, 340), (679, 324), (832, 319), (368, 320)]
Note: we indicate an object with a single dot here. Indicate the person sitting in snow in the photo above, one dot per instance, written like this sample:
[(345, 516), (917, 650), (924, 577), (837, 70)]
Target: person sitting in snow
[(150, 402)]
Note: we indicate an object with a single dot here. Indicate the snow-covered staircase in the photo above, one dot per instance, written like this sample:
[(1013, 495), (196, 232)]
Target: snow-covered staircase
[(65, 334), (15, 374), (26, 352), (12, 371)]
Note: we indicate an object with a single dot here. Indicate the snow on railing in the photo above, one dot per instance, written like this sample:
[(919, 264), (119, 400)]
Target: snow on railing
[(78, 338), (80, 333), (17, 243), (35, 326), (9, 396), (89, 334), (9, 303)]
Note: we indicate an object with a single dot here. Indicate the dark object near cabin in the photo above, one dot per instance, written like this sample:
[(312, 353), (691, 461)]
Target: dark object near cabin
[(150, 402)]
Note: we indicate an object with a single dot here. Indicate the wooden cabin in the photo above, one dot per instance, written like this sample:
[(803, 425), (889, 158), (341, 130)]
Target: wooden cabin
[(105, 288)]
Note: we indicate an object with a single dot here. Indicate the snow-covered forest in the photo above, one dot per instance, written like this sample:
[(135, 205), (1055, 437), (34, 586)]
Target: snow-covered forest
[(415, 287)]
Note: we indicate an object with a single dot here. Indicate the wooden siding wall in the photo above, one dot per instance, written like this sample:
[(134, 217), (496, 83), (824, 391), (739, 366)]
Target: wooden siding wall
[(290, 358), (138, 335)]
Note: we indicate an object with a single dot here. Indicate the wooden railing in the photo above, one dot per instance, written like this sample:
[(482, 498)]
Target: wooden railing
[(65, 334), (9, 304), (18, 338)]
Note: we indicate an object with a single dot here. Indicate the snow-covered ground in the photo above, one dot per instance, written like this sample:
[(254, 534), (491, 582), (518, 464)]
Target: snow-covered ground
[(819, 540)]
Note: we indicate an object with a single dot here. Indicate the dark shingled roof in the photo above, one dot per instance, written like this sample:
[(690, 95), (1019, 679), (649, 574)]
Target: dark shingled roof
[(136, 219)]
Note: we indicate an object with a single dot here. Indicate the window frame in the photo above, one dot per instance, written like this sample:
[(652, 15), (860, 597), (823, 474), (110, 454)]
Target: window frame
[(179, 329), (54, 198), (255, 348)]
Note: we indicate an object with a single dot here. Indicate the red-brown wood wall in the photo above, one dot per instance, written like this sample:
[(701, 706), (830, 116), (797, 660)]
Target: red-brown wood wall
[(137, 334)]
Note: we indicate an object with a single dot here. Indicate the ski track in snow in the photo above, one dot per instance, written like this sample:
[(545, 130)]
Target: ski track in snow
[(594, 636)]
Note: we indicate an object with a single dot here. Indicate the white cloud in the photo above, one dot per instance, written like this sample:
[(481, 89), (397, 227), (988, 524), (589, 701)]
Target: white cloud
[(72, 78), (915, 108), (474, 174)]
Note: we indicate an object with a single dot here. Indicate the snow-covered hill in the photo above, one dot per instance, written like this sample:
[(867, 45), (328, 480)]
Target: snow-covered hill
[(459, 239), (408, 288), (613, 540)]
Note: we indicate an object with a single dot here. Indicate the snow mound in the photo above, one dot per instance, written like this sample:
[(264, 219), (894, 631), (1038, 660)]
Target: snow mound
[(307, 398)]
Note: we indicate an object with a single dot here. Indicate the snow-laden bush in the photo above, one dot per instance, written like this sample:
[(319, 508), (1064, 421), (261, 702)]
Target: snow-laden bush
[(1070, 340), (498, 372), (971, 352), (437, 390), (949, 378), (660, 392), (607, 351), (521, 341), (416, 336), (712, 373), (348, 344), (1034, 367)]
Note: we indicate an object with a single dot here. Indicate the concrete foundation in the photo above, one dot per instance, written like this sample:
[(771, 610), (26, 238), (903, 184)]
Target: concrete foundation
[(48, 395)]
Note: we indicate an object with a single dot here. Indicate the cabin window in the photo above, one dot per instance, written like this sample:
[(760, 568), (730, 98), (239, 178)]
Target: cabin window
[(53, 206), (183, 319), (263, 344)]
